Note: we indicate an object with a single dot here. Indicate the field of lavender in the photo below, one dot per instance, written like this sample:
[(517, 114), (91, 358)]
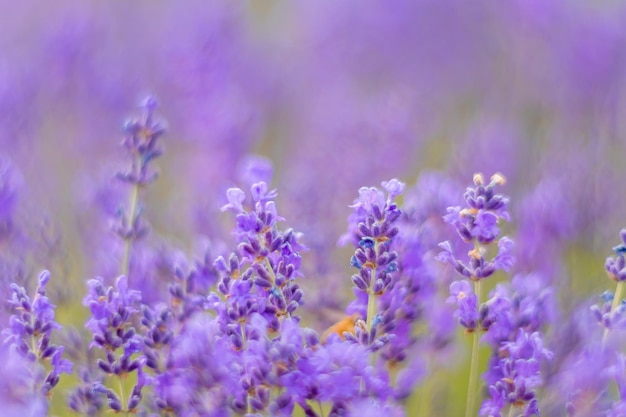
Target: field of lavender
[(328, 208)]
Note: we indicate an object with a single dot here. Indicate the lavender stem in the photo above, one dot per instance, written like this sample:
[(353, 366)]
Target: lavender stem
[(471, 389), (134, 197), (619, 289)]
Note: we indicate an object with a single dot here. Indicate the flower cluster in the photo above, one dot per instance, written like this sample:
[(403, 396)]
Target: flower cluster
[(588, 390), (141, 144), (509, 321), (515, 376), (29, 336), (477, 223), (615, 266), (518, 316), (111, 323), (374, 229)]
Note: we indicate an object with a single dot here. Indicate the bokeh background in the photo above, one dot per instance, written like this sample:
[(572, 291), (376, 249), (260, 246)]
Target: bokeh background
[(335, 95)]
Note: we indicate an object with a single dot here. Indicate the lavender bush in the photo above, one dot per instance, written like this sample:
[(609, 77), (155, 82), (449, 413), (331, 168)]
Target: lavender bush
[(353, 208)]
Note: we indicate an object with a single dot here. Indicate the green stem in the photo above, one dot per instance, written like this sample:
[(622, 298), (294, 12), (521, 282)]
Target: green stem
[(473, 383), (134, 198), (270, 270), (122, 394), (511, 410), (372, 298), (372, 302), (319, 404), (617, 298), (242, 325), (425, 399)]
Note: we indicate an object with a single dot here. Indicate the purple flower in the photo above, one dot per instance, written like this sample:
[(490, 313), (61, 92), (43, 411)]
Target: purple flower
[(262, 276), (373, 229), (113, 313), (463, 296), (514, 376), (615, 266), (477, 223), (479, 220), (332, 373), (18, 397), (195, 383), (504, 260), (236, 198), (583, 380), (29, 335), (514, 368), (393, 187), (141, 142), (485, 226)]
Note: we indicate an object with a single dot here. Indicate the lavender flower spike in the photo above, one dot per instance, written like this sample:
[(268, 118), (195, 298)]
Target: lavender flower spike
[(111, 322), (141, 143), (615, 266), (372, 230), (477, 223), (29, 335)]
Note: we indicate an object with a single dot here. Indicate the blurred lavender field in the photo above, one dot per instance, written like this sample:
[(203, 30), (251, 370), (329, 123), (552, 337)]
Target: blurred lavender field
[(319, 99)]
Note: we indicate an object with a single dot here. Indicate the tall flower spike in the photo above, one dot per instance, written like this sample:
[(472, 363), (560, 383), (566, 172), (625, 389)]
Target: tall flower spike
[(29, 335), (513, 319), (477, 223), (262, 298), (267, 256), (373, 229), (111, 322), (141, 142)]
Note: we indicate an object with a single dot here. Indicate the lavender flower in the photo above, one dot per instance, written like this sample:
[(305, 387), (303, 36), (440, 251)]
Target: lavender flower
[(513, 319), (583, 381), (616, 270), (615, 266), (111, 323), (268, 257), (200, 372), (479, 220), (84, 399), (462, 294), (191, 282), (141, 143), (19, 393), (335, 373), (514, 375), (259, 313), (478, 224), (30, 331), (373, 230)]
